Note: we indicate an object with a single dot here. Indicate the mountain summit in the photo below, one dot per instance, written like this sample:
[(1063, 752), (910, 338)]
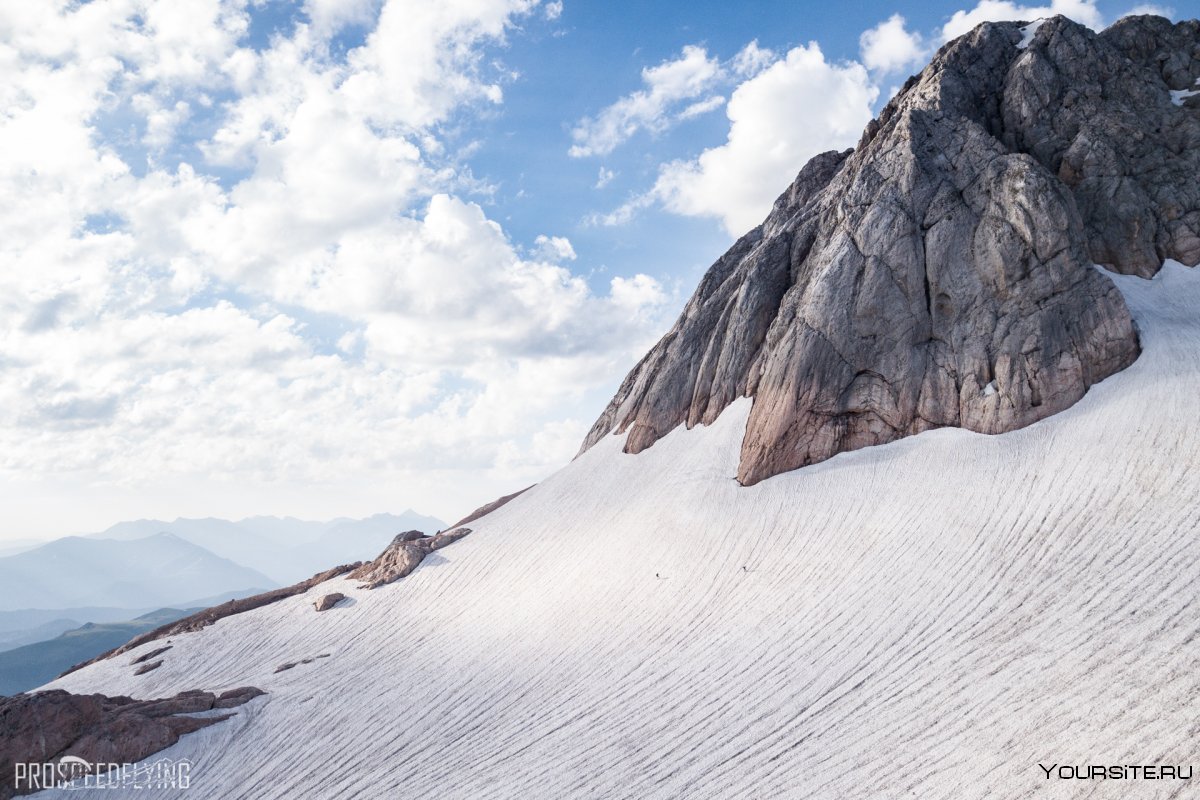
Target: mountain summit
[(940, 274)]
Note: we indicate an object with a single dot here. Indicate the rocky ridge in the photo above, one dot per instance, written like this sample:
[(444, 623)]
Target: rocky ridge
[(941, 272)]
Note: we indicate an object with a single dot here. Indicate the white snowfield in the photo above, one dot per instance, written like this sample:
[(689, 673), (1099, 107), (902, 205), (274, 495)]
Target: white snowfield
[(927, 619)]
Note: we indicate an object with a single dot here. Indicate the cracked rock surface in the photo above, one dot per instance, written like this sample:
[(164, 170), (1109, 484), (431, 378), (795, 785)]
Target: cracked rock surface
[(941, 273)]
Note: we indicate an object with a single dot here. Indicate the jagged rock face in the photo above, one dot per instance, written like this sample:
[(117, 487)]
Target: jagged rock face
[(940, 274), (1116, 138)]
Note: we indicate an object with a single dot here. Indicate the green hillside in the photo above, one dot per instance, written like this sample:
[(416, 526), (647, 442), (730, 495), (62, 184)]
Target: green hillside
[(25, 668)]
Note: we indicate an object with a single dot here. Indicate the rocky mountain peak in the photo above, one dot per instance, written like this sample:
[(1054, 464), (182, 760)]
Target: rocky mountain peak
[(941, 272)]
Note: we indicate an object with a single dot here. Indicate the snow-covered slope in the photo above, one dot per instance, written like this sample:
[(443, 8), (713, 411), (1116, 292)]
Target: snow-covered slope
[(929, 618)]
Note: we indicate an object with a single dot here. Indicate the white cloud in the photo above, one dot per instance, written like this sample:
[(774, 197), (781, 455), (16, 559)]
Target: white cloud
[(604, 177), (890, 46), (553, 9), (701, 107), (1151, 8), (623, 213), (330, 16), (681, 79), (670, 97), (637, 293), (1082, 11), (751, 60), (553, 249), (161, 121), (773, 132), (788, 109), (335, 316)]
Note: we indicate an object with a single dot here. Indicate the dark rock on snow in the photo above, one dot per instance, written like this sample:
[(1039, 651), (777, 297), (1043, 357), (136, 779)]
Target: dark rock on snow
[(291, 664), (158, 651), (208, 616), (400, 558), (45, 726), (940, 274)]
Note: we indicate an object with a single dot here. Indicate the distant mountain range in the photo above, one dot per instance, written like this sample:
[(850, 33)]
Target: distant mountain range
[(10, 547), (154, 571), (28, 667), (106, 579), (28, 625), (284, 549)]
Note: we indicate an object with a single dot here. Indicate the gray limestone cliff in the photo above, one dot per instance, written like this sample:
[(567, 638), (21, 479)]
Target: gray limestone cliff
[(941, 272)]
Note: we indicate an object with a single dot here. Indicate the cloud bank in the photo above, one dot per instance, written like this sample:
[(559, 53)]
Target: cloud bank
[(231, 263)]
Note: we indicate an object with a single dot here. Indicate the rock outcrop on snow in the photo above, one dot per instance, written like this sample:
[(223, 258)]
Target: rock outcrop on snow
[(402, 556), (44, 727), (285, 666), (940, 274), (328, 601)]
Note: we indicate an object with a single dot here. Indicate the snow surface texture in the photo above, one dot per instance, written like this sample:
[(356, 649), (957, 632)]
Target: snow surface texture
[(929, 618)]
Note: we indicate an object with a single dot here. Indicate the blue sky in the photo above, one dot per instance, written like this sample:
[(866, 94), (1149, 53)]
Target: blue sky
[(338, 257), (595, 52)]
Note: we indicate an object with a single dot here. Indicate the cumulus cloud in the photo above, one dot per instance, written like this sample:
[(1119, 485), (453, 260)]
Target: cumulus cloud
[(890, 46), (623, 213), (637, 293), (553, 248), (773, 131), (751, 60), (1082, 11), (301, 299), (787, 109), (683, 78), (1151, 8), (675, 90), (330, 16)]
